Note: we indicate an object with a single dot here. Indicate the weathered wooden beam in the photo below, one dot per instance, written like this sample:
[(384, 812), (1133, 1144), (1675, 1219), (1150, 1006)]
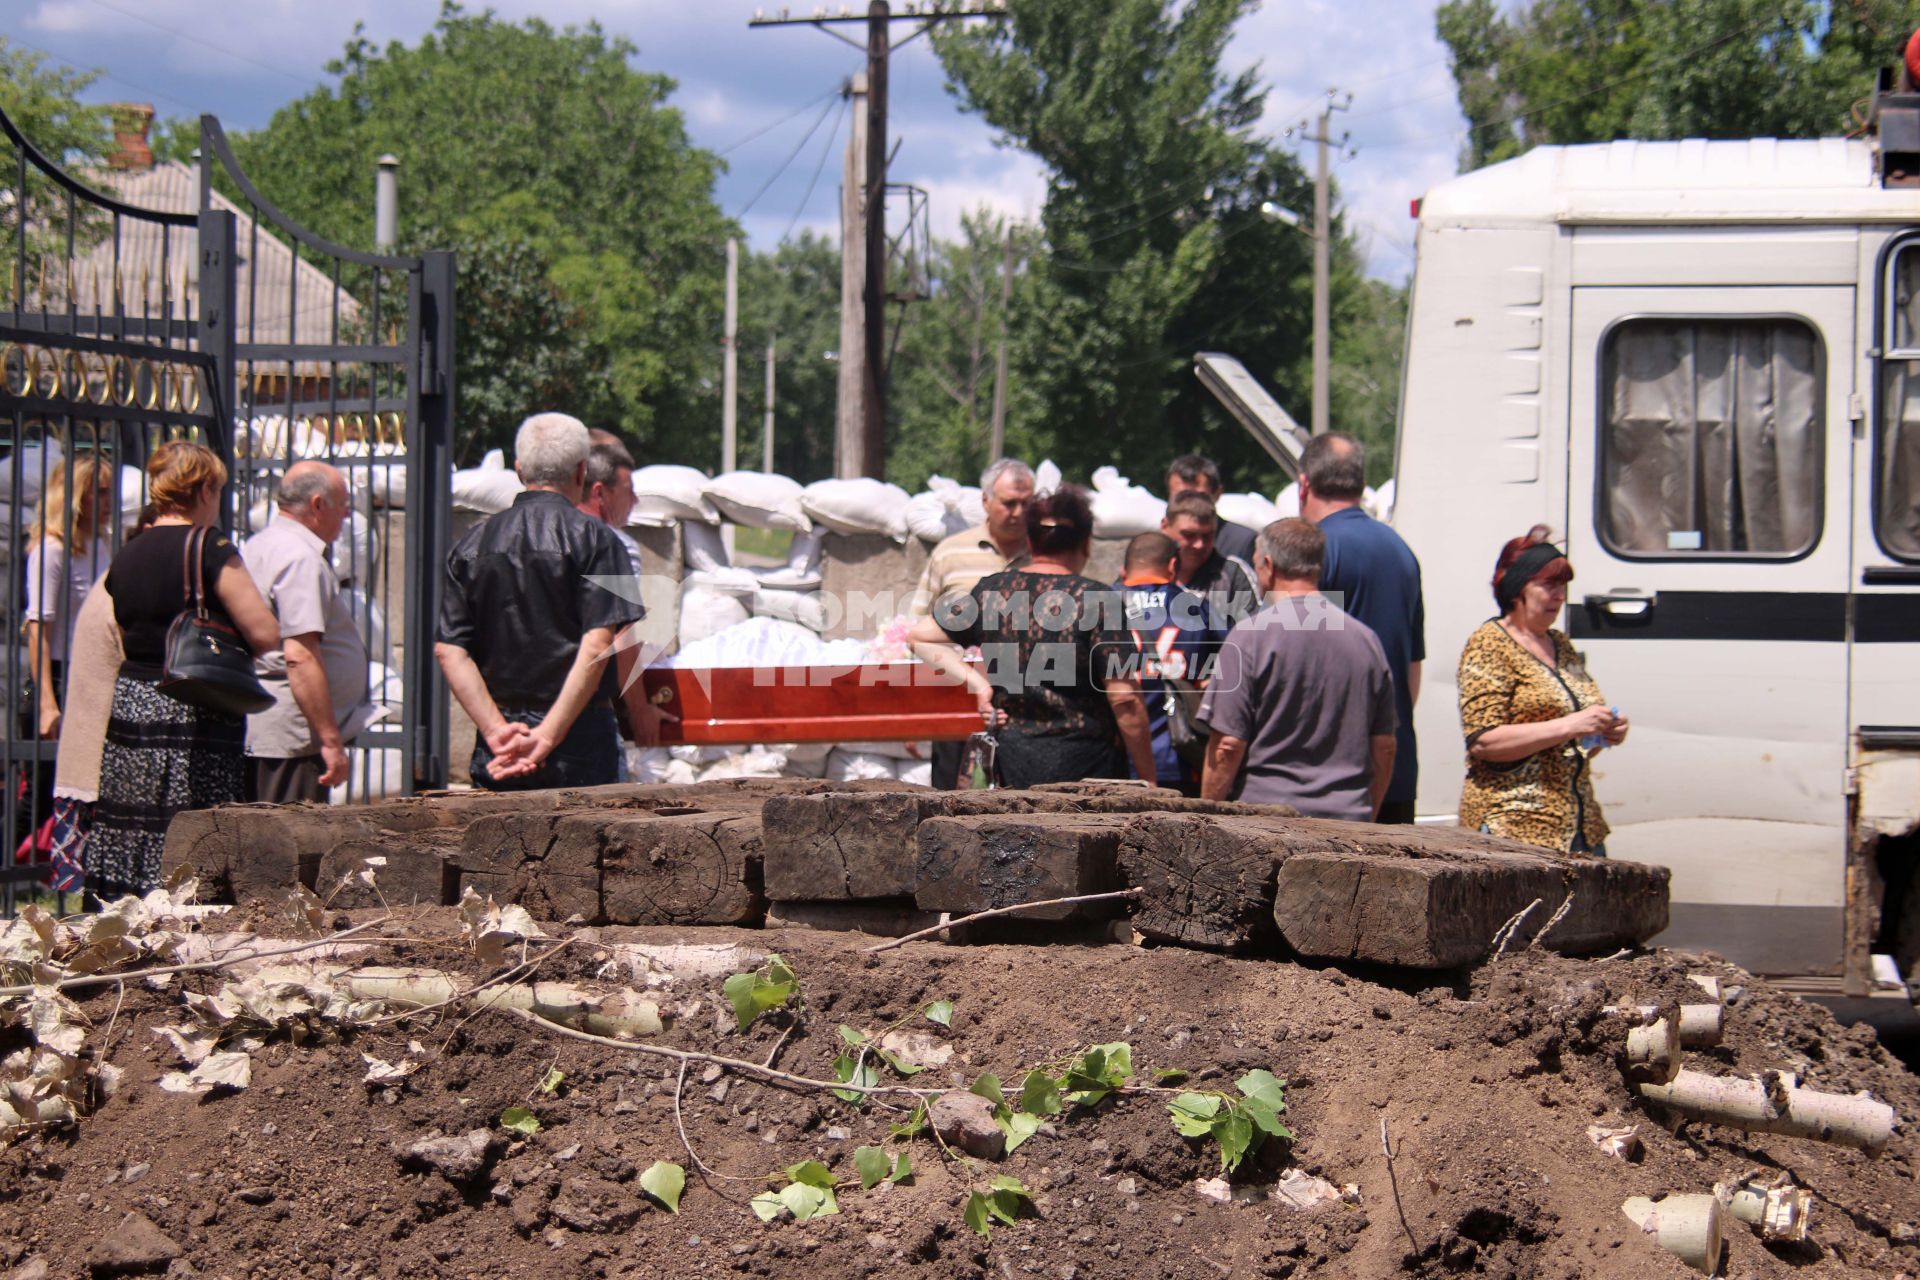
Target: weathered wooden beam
[(698, 868), (418, 868), (244, 852), (977, 863)]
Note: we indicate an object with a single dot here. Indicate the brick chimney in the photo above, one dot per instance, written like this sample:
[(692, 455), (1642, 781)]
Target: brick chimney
[(131, 123)]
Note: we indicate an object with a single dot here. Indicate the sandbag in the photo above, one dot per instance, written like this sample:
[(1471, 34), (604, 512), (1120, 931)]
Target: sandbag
[(1122, 509), (38, 462), (754, 763), (803, 569), (1382, 507), (861, 505), (893, 750), (702, 548), (1287, 502), (664, 493), (918, 772), (1046, 476), (356, 551), (1253, 511), (133, 497), (758, 499), (706, 610), (858, 766), (946, 508), (489, 488), (803, 607)]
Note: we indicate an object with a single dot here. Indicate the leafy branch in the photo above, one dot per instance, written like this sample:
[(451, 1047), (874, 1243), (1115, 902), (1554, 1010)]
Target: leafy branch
[(1240, 1125)]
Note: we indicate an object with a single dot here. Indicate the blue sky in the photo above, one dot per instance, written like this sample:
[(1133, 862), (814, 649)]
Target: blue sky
[(241, 59)]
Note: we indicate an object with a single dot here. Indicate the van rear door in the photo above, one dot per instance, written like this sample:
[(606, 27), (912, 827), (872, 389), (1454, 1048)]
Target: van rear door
[(1708, 522)]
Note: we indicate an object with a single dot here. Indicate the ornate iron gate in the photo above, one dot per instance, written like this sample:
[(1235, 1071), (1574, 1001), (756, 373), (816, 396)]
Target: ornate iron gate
[(159, 308)]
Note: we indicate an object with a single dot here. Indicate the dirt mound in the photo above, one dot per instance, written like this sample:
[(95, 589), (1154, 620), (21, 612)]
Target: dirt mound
[(1486, 1084)]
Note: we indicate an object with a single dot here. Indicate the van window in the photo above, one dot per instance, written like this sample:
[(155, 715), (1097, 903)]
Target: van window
[(1896, 488), (1710, 438)]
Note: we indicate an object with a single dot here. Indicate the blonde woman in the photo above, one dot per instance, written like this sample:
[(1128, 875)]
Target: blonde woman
[(162, 755), (68, 552)]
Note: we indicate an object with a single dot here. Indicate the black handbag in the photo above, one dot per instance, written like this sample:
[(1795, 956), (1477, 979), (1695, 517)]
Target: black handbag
[(208, 663), (1185, 730)]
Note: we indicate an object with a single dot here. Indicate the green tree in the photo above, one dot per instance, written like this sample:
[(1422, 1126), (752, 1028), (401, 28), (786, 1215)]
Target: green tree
[(1155, 246), (1566, 71), (43, 102), (520, 132), (792, 295)]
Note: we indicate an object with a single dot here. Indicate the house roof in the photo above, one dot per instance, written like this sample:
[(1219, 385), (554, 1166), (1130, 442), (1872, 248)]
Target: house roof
[(1692, 180)]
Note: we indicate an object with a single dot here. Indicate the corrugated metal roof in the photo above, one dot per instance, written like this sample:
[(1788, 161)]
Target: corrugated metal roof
[(277, 299), (1692, 180)]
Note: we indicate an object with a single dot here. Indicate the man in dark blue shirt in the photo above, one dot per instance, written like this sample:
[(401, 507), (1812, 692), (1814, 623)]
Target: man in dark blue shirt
[(1172, 637), (1373, 575)]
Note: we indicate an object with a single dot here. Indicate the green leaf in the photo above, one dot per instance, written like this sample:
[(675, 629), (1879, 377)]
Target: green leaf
[(664, 1181), (779, 972), (739, 992), (850, 1070), (940, 1011), (555, 1077), (873, 1166), (1004, 1197), (1234, 1132), (988, 1087), (1264, 1086), (771, 995), (807, 1202), (1193, 1113), (855, 1039), (976, 1214), (902, 1169), (767, 1205), (897, 1062), (1017, 1125), (520, 1120), (912, 1126), (1040, 1094), (811, 1173), (1119, 1064), (1263, 1117), (1169, 1075)]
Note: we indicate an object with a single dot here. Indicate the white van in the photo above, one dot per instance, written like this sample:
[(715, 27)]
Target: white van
[(1699, 363)]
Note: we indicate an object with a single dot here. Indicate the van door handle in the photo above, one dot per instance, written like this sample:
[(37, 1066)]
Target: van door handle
[(1621, 604)]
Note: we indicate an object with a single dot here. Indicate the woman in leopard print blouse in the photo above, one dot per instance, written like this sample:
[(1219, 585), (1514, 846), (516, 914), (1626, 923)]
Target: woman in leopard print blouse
[(1526, 701)]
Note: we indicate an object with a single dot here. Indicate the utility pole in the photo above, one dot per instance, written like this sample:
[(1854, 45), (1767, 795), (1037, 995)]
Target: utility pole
[(386, 203), (729, 410), (850, 412), (997, 443), (766, 438), (869, 456), (1322, 266)]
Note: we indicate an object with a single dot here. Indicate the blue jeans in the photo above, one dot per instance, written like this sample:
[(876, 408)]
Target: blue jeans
[(587, 757)]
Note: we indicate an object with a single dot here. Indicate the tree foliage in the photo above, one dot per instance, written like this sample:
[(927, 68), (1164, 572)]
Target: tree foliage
[(42, 100), (1565, 71), (1155, 247), (792, 295), (521, 134)]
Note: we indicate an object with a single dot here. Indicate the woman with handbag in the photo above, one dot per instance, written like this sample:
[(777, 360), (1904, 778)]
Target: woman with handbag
[(182, 598)]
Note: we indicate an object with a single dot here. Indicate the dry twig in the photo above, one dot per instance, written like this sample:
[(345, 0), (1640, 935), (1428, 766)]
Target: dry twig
[(525, 969), (1002, 911), (1505, 933), (1559, 914), (1393, 1180), (202, 966)]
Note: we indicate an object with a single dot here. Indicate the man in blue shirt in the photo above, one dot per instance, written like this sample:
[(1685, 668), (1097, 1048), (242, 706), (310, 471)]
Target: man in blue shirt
[(1171, 637), (1373, 575)]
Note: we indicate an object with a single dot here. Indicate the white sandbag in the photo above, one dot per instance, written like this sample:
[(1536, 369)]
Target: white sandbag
[(133, 497), (803, 607), (893, 750), (806, 768), (946, 508), (701, 547), (373, 773), (755, 642), (356, 552), (861, 505), (918, 772), (669, 492), (371, 619), (804, 759), (489, 488), (1287, 502), (858, 766), (260, 515), (746, 764), (1046, 476), (802, 571), (759, 499), (1253, 511), (1371, 503), (707, 610), (646, 764), (380, 484), (38, 462), (1122, 509), (1382, 508)]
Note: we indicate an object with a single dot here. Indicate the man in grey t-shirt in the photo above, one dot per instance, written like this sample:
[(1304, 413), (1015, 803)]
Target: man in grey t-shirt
[(1301, 699)]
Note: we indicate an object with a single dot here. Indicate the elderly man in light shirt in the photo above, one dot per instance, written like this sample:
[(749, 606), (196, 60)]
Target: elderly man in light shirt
[(318, 677)]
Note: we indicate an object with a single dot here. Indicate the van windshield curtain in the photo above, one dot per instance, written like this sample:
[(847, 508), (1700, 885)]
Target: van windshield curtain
[(1711, 437), (1897, 508)]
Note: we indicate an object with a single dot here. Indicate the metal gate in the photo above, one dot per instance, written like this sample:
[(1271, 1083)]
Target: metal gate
[(148, 305)]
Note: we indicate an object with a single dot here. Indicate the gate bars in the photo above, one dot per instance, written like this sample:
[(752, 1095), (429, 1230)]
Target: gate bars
[(152, 311)]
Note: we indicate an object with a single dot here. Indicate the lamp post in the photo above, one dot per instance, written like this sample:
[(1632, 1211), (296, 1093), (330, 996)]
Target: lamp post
[(1321, 310)]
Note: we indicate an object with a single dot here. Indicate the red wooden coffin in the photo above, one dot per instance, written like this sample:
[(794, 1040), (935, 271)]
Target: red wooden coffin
[(873, 702)]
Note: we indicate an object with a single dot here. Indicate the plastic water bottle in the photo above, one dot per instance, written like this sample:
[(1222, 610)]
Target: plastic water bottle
[(1592, 742)]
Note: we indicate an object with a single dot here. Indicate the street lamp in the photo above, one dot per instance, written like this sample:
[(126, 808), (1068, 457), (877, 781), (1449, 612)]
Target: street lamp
[(1321, 309)]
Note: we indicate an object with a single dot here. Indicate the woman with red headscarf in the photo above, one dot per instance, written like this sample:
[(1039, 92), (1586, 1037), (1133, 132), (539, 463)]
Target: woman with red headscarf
[(1531, 713)]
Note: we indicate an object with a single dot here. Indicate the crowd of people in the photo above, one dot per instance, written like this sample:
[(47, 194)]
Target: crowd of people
[(1278, 665)]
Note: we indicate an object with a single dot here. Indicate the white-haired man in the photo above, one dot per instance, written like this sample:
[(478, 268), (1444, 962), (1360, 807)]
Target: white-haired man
[(960, 561), (297, 748), (524, 627)]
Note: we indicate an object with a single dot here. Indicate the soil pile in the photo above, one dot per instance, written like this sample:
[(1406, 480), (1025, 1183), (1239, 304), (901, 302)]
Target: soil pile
[(1483, 1083)]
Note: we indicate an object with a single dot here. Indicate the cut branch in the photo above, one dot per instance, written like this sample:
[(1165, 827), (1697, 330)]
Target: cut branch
[(1003, 911)]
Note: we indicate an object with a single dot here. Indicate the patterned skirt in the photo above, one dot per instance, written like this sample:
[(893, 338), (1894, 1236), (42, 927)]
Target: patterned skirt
[(162, 757)]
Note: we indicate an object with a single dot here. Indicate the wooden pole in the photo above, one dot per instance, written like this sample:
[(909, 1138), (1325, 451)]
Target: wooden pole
[(997, 443), (874, 308), (766, 436), (850, 413)]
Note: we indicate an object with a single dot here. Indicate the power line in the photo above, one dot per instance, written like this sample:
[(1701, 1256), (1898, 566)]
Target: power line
[(101, 72), (764, 130), (825, 151), (189, 36), (791, 155)]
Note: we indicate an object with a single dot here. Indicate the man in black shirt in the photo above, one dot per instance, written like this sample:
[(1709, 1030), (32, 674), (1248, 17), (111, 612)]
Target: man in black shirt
[(1224, 583), (1191, 472), (524, 626)]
